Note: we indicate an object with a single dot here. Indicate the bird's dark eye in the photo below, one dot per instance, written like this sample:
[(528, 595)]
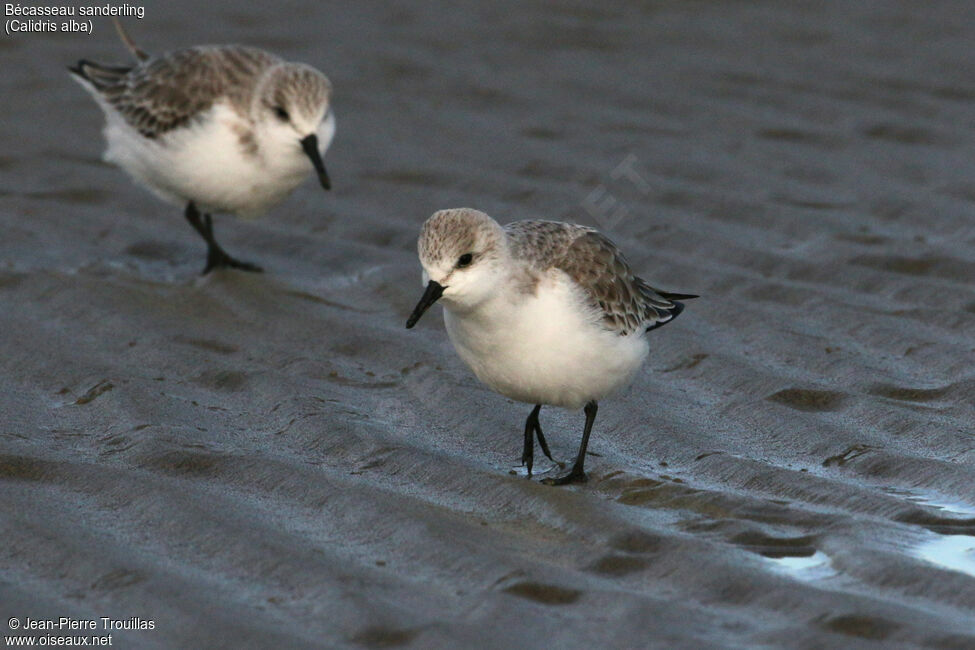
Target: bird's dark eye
[(465, 260), (281, 113)]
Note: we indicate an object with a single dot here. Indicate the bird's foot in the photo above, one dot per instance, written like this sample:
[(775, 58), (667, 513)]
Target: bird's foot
[(574, 476), (528, 470), (219, 259)]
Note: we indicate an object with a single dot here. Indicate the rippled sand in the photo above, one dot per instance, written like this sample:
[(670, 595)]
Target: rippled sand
[(274, 461)]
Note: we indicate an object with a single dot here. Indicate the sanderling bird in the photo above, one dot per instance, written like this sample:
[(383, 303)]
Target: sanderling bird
[(543, 312), (215, 128)]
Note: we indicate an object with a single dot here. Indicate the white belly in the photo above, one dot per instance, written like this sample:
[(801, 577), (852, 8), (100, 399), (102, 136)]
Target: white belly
[(206, 163), (545, 348)]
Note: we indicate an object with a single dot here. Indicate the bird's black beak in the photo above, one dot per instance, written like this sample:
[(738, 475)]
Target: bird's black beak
[(310, 145), (430, 296)]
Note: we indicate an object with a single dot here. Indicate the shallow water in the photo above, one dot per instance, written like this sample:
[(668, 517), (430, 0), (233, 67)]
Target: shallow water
[(274, 461), (955, 552), (940, 502), (813, 567)]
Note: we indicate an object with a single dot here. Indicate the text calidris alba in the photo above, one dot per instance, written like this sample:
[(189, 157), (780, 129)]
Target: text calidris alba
[(542, 312), (215, 128)]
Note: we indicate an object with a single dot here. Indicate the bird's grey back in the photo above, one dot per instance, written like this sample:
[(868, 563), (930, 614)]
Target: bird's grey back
[(593, 262), (166, 92)]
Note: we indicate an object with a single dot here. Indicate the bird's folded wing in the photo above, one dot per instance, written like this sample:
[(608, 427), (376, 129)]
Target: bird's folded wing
[(167, 92)]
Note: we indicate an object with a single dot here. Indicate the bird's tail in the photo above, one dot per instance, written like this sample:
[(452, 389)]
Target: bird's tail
[(98, 75), (664, 310), (677, 296)]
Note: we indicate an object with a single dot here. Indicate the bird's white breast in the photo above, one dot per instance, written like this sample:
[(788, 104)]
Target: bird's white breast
[(209, 162), (544, 347)]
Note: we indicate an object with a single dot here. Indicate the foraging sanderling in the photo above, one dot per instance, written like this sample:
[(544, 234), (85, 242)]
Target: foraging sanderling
[(543, 312), (215, 128)]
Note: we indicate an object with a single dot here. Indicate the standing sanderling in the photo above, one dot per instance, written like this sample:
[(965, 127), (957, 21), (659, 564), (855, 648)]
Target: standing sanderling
[(215, 128), (543, 312)]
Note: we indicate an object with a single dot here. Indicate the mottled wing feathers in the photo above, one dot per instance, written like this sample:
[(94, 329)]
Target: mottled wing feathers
[(627, 303), (164, 93)]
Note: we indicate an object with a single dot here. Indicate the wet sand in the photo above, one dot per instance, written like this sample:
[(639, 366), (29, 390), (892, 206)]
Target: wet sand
[(274, 461)]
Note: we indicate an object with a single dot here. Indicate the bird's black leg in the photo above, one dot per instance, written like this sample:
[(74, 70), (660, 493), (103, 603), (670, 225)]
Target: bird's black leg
[(577, 474), (193, 216), (528, 452), (541, 441), (217, 257), (532, 428)]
